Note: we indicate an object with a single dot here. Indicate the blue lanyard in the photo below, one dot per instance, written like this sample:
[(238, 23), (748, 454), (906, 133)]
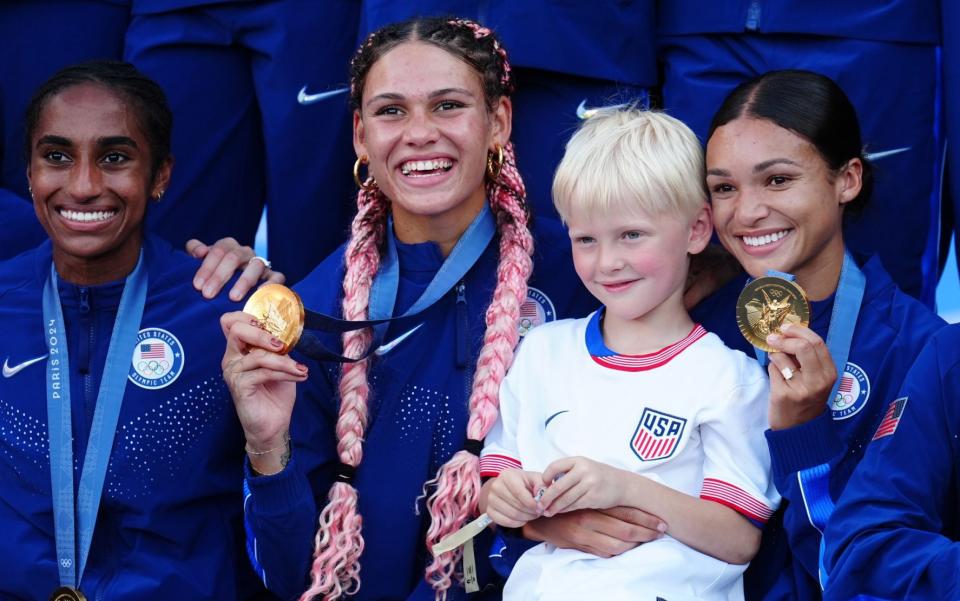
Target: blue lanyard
[(843, 319), (74, 524), (383, 293), (466, 252)]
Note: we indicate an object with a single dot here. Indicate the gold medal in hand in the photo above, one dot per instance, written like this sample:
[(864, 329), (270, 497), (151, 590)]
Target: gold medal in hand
[(279, 311), (766, 305)]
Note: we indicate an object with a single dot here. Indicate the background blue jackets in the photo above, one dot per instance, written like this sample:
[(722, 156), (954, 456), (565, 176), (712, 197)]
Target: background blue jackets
[(254, 125), (600, 40), (915, 21), (169, 525), (895, 532)]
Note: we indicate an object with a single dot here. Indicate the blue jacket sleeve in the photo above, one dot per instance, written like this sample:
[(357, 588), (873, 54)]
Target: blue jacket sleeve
[(280, 511), (802, 459), (893, 534)]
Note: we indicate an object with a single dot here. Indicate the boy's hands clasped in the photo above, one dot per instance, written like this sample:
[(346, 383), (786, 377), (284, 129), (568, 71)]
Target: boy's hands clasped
[(512, 501), (517, 496)]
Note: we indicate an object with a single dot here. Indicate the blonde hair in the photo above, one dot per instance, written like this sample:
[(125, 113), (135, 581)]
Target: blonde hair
[(631, 159)]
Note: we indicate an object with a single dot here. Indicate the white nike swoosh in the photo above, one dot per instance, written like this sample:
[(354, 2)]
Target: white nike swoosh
[(386, 348), (584, 113), (873, 156), (304, 98), (9, 372)]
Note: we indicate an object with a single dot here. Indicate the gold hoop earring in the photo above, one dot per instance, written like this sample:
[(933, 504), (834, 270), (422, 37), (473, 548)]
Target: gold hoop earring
[(362, 160), (495, 166)]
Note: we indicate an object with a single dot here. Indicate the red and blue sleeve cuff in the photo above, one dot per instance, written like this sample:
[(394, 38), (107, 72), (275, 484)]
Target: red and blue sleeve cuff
[(491, 465), (737, 499)]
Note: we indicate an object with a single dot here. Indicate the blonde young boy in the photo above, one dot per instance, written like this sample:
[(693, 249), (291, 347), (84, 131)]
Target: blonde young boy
[(634, 405)]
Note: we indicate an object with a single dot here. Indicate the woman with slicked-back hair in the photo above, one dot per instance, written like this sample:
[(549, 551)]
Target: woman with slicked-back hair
[(355, 472)]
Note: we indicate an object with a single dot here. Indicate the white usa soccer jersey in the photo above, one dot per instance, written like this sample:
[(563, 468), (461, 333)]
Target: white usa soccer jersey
[(690, 416)]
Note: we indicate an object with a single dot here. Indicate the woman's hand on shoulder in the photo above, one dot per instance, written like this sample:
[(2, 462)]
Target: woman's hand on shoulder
[(802, 375), (263, 386), (224, 258)]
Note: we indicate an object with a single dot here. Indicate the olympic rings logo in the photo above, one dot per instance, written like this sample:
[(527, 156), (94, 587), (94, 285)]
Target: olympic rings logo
[(844, 399), (153, 367)]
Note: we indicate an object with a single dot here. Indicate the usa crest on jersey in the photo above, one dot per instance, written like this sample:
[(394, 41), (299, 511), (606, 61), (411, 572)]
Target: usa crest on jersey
[(657, 436), (536, 310), (852, 393), (157, 359)]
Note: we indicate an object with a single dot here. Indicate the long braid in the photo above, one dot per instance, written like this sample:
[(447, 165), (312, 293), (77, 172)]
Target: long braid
[(458, 484), (339, 543)]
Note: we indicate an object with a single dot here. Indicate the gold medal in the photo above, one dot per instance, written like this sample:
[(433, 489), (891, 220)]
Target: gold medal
[(67, 593), (279, 311), (766, 304)]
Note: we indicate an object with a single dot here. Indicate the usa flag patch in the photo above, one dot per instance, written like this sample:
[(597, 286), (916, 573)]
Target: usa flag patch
[(657, 436), (536, 310), (891, 419)]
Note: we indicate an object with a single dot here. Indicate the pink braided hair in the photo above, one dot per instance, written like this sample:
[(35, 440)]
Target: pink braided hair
[(458, 484), (338, 543), (480, 32)]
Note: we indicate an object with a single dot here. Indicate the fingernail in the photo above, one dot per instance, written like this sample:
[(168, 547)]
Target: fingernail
[(786, 326), (254, 322), (275, 342), (198, 283), (661, 527), (773, 338), (301, 367)]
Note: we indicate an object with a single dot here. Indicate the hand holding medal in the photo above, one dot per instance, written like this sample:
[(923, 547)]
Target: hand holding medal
[(777, 307)]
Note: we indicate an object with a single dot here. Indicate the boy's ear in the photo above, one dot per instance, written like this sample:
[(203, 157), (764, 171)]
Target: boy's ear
[(701, 228)]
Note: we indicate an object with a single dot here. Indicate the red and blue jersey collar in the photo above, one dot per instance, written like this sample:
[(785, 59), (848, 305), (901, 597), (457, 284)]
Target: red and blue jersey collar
[(611, 359)]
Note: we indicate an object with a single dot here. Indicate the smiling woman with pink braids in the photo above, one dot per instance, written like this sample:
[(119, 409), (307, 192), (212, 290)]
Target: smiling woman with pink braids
[(375, 461)]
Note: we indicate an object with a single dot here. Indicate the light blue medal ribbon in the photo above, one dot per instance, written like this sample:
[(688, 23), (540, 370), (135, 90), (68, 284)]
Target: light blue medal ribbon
[(815, 481), (468, 249), (74, 524), (759, 352), (383, 292)]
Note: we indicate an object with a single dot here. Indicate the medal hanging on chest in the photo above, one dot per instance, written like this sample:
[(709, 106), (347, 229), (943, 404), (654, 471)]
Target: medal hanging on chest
[(67, 593), (75, 515)]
